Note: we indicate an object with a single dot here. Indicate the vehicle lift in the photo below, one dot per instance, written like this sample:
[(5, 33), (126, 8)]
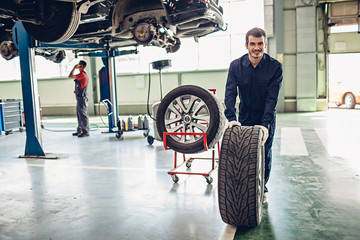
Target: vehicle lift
[(26, 45)]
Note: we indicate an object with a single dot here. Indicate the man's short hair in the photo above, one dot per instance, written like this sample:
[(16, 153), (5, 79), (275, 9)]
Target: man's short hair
[(256, 32), (83, 63)]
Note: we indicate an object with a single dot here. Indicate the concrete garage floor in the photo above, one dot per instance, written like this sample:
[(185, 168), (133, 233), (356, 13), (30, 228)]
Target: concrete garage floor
[(105, 188)]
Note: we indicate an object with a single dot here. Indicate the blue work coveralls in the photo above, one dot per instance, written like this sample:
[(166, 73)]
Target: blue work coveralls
[(81, 104), (258, 89)]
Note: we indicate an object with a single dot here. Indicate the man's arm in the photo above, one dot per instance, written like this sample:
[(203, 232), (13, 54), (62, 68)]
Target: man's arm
[(71, 74), (272, 97), (230, 96)]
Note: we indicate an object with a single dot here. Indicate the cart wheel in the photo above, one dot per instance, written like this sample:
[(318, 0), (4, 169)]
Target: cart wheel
[(209, 179), (175, 178), (7, 133), (150, 140), (118, 135), (146, 133), (21, 129), (188, 164)]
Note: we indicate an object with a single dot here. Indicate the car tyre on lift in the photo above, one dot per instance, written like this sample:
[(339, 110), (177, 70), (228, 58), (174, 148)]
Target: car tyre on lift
[(62, 21), (190, 109), (241, 176)]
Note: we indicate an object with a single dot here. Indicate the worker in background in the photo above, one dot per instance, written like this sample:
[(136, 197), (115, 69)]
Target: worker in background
[(256, 78), (81, 82)]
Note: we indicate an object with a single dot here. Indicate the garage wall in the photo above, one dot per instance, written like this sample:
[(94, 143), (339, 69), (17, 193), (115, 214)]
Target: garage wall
[(298, 36), (57, 96)]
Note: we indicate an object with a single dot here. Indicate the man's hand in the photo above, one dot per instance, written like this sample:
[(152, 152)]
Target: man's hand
[(265, 133), (232, 124), (71, 74)]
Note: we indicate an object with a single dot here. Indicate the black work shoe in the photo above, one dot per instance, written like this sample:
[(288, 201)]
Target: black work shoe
[(76, 134), (83, 135)]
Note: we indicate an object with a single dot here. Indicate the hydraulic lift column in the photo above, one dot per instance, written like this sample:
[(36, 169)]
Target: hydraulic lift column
[(29, 86), (109, 62), (108, 87)]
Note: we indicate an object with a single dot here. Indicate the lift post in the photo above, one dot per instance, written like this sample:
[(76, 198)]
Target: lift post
[(108, 89), (112, 105), (25, 44)]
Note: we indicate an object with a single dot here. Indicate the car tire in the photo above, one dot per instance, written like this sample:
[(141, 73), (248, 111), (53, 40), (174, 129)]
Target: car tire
[(175, 47), (349, 100), (241, 176), (190, 109), (63, 21)]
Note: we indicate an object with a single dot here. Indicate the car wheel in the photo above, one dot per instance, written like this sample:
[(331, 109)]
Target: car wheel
[(60, 24), (241, 176), (175, 47), (349, 100), (190, 109), (143, 33), (8, 50)]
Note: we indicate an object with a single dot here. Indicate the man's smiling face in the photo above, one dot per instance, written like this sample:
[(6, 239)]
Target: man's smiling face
[(256, 47)]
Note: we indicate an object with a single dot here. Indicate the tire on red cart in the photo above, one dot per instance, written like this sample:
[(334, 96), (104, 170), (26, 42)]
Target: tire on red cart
[(190, 109), (241, 176)]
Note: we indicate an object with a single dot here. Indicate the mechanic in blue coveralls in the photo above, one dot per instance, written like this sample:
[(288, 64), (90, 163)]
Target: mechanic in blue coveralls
[(81, 82), (256, 78)]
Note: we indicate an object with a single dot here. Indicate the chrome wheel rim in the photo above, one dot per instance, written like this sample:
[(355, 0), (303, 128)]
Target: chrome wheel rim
[(187, 114)]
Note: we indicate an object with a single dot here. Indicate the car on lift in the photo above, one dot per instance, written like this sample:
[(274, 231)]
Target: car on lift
[(116, 23), (346, 92)]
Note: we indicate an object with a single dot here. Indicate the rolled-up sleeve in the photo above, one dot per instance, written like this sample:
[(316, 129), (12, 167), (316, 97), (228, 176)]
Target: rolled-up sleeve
[(231, 92), (272, 97)]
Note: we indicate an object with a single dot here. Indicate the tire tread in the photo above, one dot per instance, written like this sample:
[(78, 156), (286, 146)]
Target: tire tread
[(237, 182)]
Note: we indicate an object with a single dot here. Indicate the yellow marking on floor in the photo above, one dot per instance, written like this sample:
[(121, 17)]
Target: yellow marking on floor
[(228, 233)]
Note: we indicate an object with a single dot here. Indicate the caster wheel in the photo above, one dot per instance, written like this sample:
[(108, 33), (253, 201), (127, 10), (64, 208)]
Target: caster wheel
[(118, 135), (150, 140), (188, 164), (175, 178), (209, 179), (146, 133)]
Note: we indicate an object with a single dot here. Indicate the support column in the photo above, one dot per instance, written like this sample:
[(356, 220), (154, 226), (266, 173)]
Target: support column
[(297, 36), (113, 112), (24, 42), (306, 57), (274, 27)]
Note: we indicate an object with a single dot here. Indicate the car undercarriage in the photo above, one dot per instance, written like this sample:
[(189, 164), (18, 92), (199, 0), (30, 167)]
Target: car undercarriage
[(117, 23)]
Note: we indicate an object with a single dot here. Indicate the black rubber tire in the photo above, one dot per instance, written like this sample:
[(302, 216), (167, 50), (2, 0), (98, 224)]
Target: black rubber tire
[(62, 22), (241, 176), (213, 128), (175, 48), (349, 101)]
